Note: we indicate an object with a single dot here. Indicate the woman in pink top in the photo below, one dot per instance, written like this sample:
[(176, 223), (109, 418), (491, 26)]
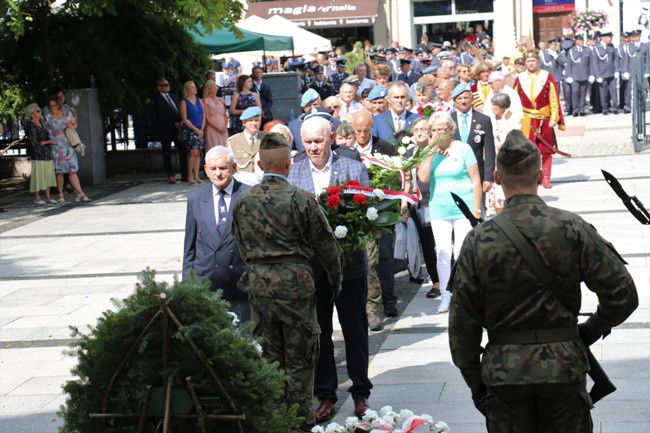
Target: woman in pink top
[(216, 128)]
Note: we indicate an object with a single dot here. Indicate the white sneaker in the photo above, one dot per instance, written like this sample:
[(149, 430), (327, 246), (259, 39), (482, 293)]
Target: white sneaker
[(39, 202), (445, 300)]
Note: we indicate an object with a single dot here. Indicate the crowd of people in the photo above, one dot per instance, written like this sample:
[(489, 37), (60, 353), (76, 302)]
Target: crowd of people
[(462, 101)]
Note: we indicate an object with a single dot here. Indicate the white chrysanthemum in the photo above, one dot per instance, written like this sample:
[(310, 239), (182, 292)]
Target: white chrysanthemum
[(406, 140), (411, 146), (351, 422), (379, 193), (317, 429), (396, 161), (441, 427), (401, 150), (367, 163), (370, 416), (386, 409), (340, 232), (334, 428), (405, 414), (427, 418), (372, 215), (388, 419)]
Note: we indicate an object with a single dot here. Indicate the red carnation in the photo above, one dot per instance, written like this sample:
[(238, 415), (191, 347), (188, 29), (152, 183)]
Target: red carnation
[(333, 190), (353, 183), (333, 201), (359, 199)]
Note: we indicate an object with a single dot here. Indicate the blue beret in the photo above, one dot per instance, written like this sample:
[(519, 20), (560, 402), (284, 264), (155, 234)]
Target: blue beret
[(461, 88), (430, 69), (377, 92), (308, 97), (250, 112)]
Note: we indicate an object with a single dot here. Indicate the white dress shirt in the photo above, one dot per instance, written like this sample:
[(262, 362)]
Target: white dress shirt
[(364, 150), (321, 178), (227, 197)]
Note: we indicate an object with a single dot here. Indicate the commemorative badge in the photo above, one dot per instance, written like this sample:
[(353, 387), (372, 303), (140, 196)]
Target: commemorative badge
[(477, 139)]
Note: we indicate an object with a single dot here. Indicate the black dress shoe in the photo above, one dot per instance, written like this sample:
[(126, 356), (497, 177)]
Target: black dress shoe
[(324, 411), (391, 311), (433, 293), (419, 280), (575, 114), (614, 111), (625, 110), (605, 113), (583, 114), (360, 407)]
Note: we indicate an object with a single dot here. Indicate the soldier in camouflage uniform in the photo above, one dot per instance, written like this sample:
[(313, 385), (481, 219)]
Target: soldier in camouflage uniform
[(279, 228), (536, 382)]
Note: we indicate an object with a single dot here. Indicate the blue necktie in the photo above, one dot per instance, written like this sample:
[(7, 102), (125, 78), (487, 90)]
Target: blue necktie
[(464, 130), (222, 214)]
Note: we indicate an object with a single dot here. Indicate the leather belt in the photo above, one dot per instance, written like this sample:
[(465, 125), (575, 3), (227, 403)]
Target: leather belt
[(534, 336)]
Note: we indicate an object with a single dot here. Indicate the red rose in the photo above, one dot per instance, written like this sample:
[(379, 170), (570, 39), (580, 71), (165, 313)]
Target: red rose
[(359, 199), (353, 183), (333, 201), (420, 110), (333, 190)]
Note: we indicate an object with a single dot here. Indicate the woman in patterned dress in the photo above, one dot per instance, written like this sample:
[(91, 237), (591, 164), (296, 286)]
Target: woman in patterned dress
[(42, 176), (216, 117), (63, 155), (193, 115), (243, 98)]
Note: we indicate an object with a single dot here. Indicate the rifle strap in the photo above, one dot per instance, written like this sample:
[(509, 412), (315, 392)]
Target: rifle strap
[(531, 255)]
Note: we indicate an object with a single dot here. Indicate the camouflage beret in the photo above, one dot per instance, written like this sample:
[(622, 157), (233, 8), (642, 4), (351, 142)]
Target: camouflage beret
[(516, 147), (345, 129), (273, 140)]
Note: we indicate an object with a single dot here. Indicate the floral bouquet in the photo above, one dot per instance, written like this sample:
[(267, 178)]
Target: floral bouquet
[(387, 421), (426, 110), (580, 22), (357, 213)]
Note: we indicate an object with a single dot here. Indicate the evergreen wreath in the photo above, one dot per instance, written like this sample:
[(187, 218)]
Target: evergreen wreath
[(114, 375)]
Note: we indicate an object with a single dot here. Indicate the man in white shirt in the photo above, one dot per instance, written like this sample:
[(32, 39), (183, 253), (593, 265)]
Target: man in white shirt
[(348, 104), (364, 83)]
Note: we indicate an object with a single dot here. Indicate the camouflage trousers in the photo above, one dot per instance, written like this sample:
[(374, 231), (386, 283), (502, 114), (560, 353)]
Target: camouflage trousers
[(542, 408), (290, 333), (374, 285)]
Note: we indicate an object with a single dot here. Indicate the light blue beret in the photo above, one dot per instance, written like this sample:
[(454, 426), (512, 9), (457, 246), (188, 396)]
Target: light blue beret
[(308, 97), (430, 69), (461, 88), (250, 112), (377, 92)]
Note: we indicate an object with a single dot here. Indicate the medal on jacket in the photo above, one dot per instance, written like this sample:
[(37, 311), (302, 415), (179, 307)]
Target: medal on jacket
[(477, 139)]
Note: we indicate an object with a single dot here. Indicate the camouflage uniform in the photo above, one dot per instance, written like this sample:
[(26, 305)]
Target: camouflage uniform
[(279, 228), (533, 387), (374, 285)]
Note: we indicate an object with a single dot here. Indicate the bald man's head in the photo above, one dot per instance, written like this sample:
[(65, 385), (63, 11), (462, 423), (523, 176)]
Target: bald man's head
[(362, 124)]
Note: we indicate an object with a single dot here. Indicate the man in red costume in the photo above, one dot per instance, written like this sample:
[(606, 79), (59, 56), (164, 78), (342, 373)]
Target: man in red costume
[(540, 100)]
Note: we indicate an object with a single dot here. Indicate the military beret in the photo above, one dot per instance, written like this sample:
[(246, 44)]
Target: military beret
[(377, 92), (344, 129), (516, 147), (430, 69), (273, 140), (461, 88), (318, 70), (321, 112), (308, 97), (250, 112)]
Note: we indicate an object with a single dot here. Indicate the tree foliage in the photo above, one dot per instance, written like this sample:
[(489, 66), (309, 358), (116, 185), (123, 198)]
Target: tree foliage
[(251, 382), (125, 44)]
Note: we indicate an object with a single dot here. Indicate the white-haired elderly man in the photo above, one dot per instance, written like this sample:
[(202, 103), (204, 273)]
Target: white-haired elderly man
[(210, 249), (320, 169), (497, 85)]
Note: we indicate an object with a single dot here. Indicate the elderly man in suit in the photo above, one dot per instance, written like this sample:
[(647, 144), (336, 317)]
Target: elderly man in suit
[(246, 145), (321, 169), (264, 91), (210, 249), (475, 129), (397, 116), (168, 121)]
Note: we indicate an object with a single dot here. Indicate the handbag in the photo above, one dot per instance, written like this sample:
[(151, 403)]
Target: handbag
[(424, 216), (183, 135), (75, 141)]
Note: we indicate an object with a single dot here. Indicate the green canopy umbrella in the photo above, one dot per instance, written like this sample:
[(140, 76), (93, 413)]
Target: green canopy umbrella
[(224, 41)]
